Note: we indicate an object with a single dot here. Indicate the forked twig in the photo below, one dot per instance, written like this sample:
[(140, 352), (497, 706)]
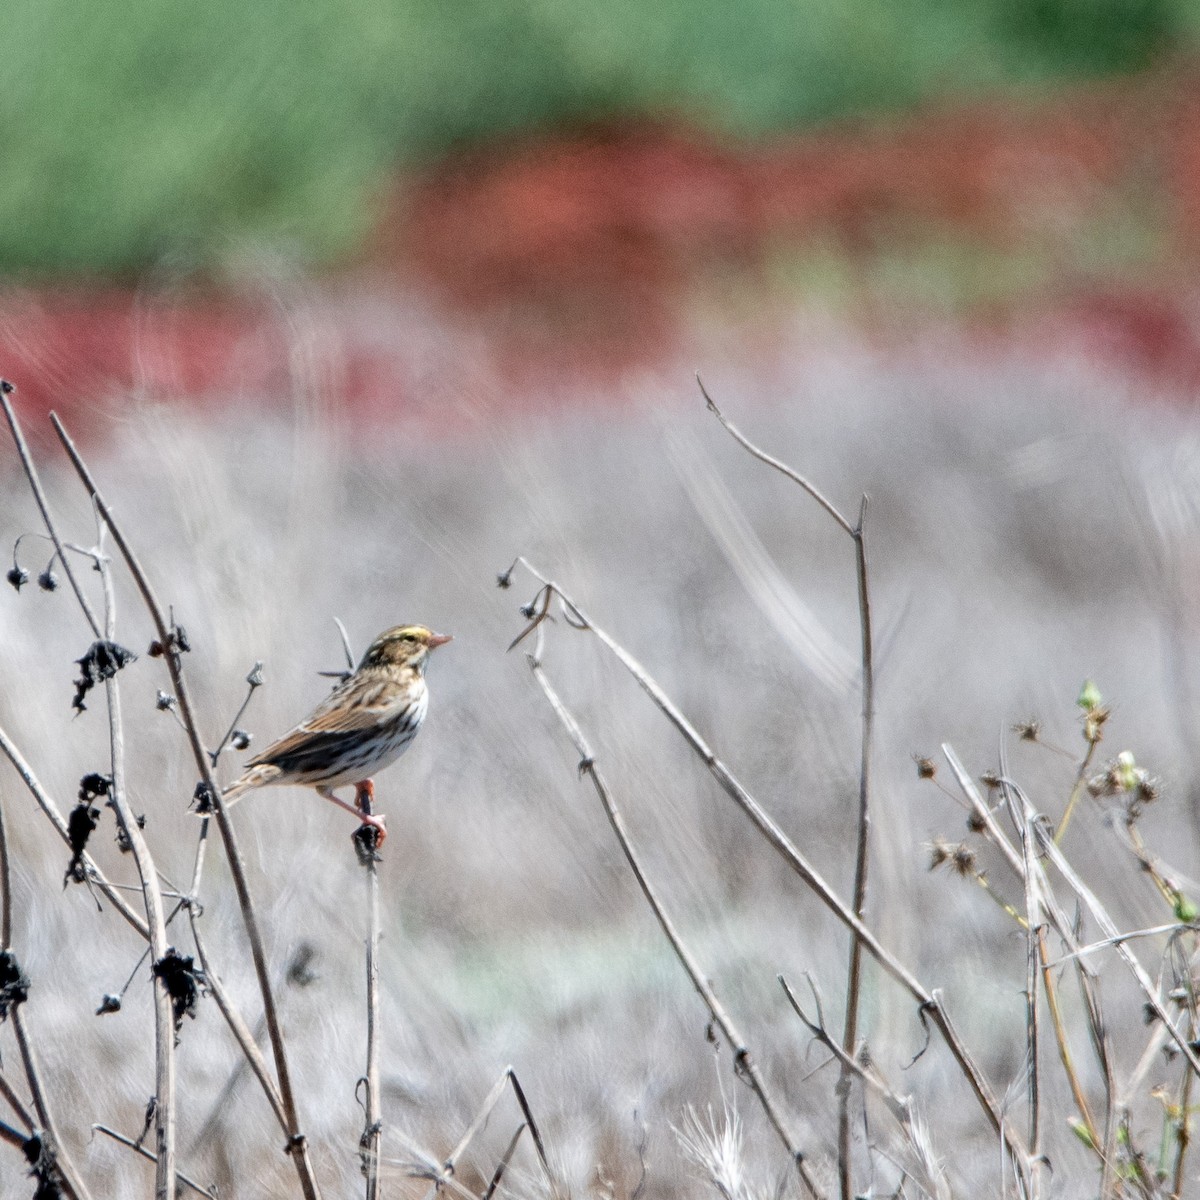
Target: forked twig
[(863, 841), (138, 1148), (508, 1078)]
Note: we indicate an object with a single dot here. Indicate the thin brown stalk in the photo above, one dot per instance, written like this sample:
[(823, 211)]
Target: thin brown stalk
[(1183, 1130), (164, 1020), (372, 1136), (297, 1142), (743, 1063), (14, 1137), (1033, 923), (1076, 792), (1050, 987), (929, 1003), (5, 887), (37, 1091), (534, 1132), (862, 853), (781, 467), (1088, 984), (15, 1102), (238, 1027), (863, 843), (505, 1159), (138, 1148)]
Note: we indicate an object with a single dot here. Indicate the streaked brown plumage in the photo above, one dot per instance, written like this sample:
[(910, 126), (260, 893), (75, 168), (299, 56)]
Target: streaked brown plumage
[(362, 726)]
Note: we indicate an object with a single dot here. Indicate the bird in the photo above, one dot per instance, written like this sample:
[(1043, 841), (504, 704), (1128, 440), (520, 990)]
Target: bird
[(362, 726)]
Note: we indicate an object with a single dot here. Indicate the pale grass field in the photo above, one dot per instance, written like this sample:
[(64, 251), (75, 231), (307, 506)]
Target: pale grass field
[(1030, 527)]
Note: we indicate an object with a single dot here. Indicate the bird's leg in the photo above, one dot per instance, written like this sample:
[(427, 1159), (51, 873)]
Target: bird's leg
[(364, 795), (365, 817)]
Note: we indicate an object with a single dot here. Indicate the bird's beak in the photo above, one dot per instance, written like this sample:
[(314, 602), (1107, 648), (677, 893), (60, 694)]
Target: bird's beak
[(439, 639)]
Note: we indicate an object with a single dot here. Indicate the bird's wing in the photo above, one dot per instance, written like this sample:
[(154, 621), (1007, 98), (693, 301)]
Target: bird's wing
[(355, 706)]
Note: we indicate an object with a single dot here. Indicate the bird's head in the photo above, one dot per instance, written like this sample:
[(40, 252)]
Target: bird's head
[(404, 646)]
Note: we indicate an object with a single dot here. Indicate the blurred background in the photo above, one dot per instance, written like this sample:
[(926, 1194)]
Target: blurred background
[(350, 304)]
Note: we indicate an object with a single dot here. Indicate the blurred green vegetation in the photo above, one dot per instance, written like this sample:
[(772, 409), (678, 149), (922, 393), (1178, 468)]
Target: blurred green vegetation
[(133, 131)]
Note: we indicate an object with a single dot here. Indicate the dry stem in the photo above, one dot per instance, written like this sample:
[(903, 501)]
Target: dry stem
[(862, 849), (297, 1145), (743, 1063), (929, 1003)]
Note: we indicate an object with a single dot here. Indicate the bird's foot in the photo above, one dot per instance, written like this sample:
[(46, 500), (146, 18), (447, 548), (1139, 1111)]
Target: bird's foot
[(368, 837)]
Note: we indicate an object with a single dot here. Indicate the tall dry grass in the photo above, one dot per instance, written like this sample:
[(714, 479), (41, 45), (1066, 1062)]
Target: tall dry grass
[(1028, 531)]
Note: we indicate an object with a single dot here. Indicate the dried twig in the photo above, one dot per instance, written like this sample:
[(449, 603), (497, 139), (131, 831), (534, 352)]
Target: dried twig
[(164, 1021), (1097, 1027), (35, 485), (743, 1063), (1033, 925), (505, 1159), (152, 895), (54, 814), (863, 842), (169, 643), (899, 1106), (929, 1003), (239, 1028), (138, 1148), (372, 1136)]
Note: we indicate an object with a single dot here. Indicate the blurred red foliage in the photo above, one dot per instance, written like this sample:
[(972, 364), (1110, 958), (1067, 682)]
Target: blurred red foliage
[(576, 250)]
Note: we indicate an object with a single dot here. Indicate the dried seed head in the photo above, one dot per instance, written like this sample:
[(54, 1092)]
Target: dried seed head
[(975, 822), (926, 767), (17, 576), (164, 701), (990, 779), (1028, 731), (964, 859), (239, 739)]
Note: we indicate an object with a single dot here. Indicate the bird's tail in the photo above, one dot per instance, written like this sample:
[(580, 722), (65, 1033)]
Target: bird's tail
[(255, 777)]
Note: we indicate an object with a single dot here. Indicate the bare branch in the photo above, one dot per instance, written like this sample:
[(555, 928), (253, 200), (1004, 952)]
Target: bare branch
[(863, 843), (783, 468), (138, 1148), (743, 1063)]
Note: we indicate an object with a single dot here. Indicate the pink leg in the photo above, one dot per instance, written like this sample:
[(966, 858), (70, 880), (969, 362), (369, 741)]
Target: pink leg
[(377, 822)]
